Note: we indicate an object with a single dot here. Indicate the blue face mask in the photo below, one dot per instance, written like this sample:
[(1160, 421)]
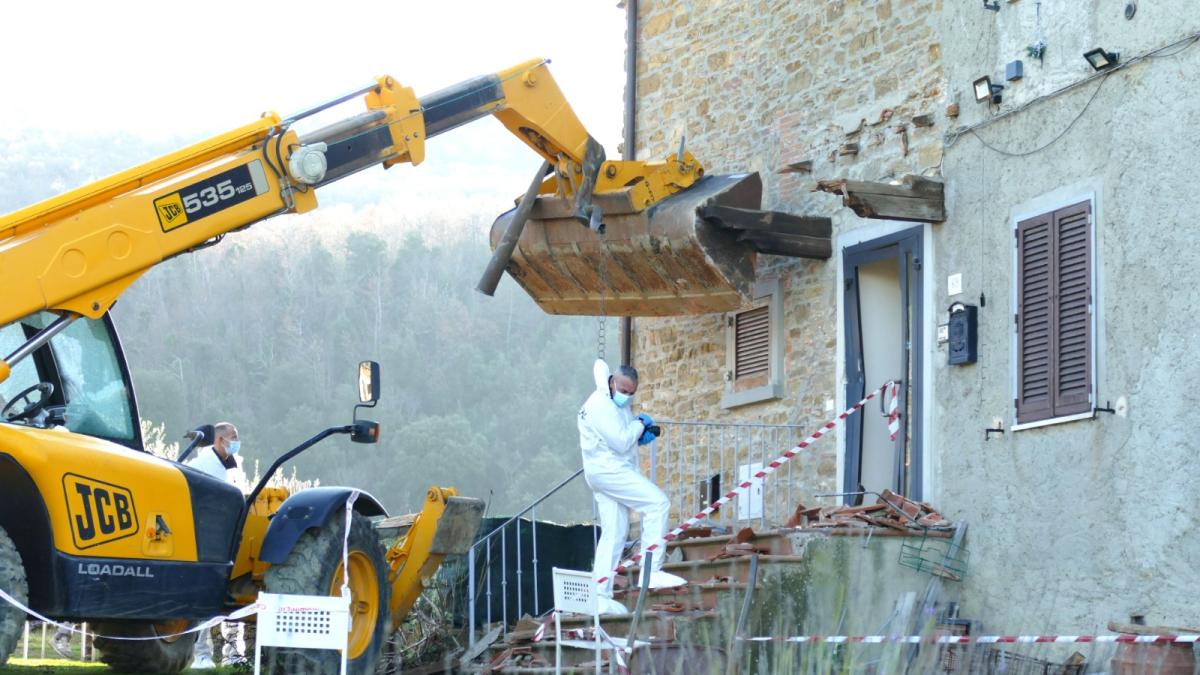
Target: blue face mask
[(622, 400), (233, 448)]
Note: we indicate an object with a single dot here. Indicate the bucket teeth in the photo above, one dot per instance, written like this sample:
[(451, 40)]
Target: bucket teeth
[(663, 261)]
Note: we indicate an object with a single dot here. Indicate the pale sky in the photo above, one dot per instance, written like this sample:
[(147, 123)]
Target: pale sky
[(190, 70)]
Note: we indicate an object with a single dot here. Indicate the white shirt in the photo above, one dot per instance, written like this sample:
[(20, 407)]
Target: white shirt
[(206, 460), (608, 433)]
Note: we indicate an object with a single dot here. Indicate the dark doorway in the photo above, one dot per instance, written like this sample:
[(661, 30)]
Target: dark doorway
[(883, 291)]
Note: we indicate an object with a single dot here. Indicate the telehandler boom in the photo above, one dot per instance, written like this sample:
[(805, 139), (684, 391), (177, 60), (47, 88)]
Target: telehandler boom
[(94, 528)]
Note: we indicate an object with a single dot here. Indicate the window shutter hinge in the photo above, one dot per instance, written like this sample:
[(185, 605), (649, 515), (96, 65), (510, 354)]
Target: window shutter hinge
[(729, 320), (917, 264)]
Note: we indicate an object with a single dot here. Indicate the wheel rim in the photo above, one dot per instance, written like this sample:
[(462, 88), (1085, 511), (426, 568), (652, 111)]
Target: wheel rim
[(364, 601), (171, 629)]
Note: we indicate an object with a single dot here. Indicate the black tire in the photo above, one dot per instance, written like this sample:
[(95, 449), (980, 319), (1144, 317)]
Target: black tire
[(12, 580), (171, 655), (309, 570)]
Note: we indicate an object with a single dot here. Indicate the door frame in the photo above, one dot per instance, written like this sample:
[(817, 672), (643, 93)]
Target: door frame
[(907, 241)]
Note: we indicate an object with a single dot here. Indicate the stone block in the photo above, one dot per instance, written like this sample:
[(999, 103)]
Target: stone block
[(655, 25)]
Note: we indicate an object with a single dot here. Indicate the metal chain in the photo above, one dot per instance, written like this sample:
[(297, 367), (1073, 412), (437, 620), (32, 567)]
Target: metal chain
[(601, 348)]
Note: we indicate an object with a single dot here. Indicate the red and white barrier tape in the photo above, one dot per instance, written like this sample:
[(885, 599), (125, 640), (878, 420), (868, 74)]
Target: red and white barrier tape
[(893, 410), (982, 639), (766, 471), (240, 613)]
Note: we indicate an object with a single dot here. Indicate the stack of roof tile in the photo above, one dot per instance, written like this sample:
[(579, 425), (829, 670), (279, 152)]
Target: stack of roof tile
[(890, 510)]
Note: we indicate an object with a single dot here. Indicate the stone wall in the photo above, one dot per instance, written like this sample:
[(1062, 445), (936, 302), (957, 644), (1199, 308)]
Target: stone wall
[(758, 86)]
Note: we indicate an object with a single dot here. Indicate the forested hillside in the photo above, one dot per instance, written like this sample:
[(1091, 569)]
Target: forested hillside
[(265, 331)]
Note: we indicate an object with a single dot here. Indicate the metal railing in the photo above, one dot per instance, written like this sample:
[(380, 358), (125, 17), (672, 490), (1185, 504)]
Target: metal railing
[(696, 463), (693, 462), (484, 548)]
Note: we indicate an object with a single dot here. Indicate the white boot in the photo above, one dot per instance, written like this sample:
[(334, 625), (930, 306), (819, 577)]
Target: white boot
[(661, 579)]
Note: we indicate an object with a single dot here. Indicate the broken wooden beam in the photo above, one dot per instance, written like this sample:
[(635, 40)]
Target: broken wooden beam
[(793, 245), (773, 222), (915, 199)]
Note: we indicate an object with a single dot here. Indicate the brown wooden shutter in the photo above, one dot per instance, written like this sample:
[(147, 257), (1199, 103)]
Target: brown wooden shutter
[(752, 343), (1034, 319), (1073, 311)]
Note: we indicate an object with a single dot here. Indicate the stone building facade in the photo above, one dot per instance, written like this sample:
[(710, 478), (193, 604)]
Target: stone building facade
[(1075, 519), (760, 86)]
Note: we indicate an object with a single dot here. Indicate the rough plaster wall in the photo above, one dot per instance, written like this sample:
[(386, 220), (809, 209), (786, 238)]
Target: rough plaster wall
[(1081, 523), (756, 85)]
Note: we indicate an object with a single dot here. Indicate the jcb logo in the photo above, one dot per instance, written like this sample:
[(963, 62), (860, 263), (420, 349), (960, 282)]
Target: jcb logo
[(100, 512), (171, 212)]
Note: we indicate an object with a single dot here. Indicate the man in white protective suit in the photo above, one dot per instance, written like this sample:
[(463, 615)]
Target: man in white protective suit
[(609, 436)]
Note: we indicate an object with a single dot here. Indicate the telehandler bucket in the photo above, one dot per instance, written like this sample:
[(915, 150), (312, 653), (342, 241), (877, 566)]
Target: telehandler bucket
[(691, 253), (458, 526)]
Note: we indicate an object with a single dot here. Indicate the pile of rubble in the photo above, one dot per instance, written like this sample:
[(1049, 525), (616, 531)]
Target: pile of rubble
[(890, 510)]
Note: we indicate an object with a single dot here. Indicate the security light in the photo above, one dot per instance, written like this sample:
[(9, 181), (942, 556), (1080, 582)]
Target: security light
[(1100, 59), (984, 89)]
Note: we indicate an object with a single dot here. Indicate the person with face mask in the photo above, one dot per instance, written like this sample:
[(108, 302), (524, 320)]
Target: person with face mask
[(216, 459), (609, 435)]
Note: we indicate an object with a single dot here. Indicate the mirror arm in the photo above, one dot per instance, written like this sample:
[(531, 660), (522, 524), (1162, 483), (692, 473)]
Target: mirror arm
[(262, 483), (363, 405), (188, 450)]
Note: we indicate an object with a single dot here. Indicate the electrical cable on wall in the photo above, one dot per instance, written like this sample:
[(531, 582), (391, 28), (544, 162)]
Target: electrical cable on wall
[(974, 131), (1178, 47)]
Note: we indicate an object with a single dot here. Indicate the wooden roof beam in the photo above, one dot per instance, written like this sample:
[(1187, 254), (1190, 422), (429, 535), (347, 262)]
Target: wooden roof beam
[(775, 222), (914, 199), (793, 245)]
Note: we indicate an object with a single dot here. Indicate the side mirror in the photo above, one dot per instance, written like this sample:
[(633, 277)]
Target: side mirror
[(368, 382)]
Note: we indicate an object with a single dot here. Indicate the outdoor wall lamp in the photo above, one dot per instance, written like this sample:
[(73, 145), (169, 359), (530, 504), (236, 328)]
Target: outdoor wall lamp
[(984, 89), (1099, 59), (995, 6)]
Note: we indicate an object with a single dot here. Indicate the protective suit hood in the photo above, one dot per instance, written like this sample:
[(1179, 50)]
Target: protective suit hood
[(608, 433)]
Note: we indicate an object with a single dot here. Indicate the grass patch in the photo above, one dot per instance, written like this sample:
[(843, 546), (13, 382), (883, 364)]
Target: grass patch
[(65, 667)]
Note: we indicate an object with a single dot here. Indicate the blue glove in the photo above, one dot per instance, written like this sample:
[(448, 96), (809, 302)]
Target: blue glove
[(651, 431)]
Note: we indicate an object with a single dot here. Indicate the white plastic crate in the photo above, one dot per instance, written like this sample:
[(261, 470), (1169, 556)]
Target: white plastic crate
[(302, 622)]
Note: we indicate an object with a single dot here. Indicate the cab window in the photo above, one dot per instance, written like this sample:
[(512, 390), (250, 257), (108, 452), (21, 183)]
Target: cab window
[(25, 373), (84, 365)]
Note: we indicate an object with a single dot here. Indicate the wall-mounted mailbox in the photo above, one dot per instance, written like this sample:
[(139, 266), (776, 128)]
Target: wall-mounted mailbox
[(964, 334)]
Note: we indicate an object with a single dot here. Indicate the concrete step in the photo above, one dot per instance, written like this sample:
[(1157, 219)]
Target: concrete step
[(775, 542), (658, 626), (658, 658), (654, 627), (692, 597), (725, 569)]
